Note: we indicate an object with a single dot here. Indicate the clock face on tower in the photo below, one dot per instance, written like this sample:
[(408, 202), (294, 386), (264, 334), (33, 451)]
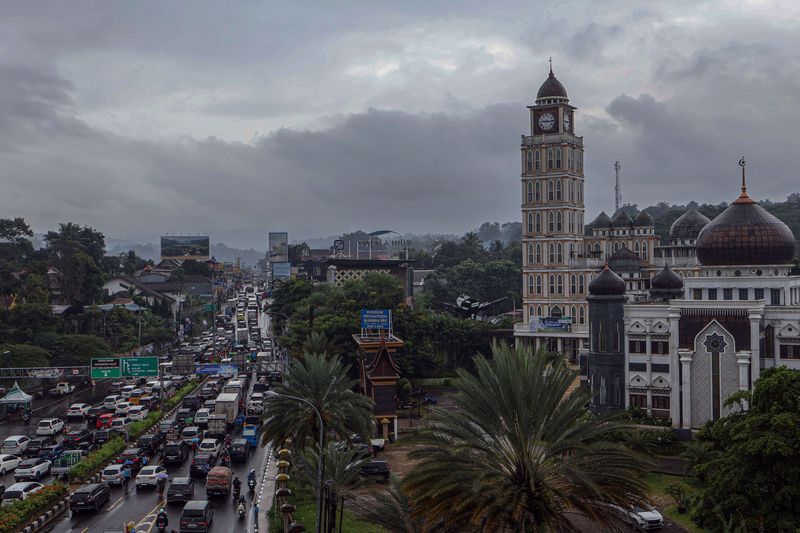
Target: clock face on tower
[(547, 121), (566, 122)]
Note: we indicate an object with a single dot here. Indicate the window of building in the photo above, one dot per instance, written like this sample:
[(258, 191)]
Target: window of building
[(551, 253), (537, 191), (697, 294), (530, 161), (638, 400), (538, 253), (659, 347), (790, 351), (616, 246), (550, 158), (573, 284), (743, 294), (550, 190), (712, 294), (556, 312), (530, 254), (617, 336), (602, 337), (560, 253), (558, 157), (581, 315), (530, 284), (558, 190), (551, 225), (727, 294), (636, 248), (538, 310), (538, 284), (538, 224), (530, 222), (569, 157), (571, 221), (529, 191), (559, 225), (560, 283), (537, 160), (636, 347), (644, 250), (775, 297), (552, 284), (759, 294), (580, 284), (660, 402)]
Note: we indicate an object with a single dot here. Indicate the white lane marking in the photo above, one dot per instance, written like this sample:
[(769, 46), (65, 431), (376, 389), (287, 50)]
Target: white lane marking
[(114, 504)]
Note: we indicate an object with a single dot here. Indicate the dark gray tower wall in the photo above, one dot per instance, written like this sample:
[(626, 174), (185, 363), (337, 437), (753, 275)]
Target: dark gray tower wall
[(606, 361)]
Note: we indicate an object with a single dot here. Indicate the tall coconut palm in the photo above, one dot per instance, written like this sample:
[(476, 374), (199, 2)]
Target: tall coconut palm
[(392, 509), (325, 383), (520, 454), (342, 466), (317, 342)]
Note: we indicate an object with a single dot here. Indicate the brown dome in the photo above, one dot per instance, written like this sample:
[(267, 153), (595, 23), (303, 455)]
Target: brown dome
[(607, 283), (688, 225), (551, 88), (745, 234)]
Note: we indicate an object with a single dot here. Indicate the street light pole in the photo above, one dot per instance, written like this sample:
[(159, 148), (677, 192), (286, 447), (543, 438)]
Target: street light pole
[(319, 457)]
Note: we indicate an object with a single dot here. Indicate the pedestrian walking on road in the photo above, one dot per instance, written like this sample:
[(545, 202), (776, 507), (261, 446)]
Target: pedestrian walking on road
[(126, 477)]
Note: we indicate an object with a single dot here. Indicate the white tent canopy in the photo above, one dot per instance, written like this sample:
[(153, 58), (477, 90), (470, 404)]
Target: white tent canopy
[(16, 395)]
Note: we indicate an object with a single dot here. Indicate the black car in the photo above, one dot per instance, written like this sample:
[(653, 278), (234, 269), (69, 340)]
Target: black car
[(275, 376), (183, 414), (192, 402), (201, 464), (151, 402), (90, 497), (151, 442), (207, 393), (78, 439), (197, 515), (376, 468), (36, 444), (175, 453), (181, 489), (240, 451), (101, 436), (94, 412)]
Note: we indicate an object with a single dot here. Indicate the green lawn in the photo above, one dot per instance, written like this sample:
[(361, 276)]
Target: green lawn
[(658, 485), (307, 512)]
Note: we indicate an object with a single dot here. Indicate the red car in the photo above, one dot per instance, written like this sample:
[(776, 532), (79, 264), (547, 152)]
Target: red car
[(104, 421)]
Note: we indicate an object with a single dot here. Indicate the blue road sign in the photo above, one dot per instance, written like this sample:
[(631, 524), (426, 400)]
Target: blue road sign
[(207, 369), (376, 319)]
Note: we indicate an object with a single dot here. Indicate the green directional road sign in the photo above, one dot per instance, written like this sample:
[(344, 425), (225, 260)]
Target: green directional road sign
[(139, 366), (106, 367)]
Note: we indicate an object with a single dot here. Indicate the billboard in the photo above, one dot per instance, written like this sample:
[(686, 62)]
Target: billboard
[(550, 324), (185, 247), (278, 247), (281, 270), (376, 319)]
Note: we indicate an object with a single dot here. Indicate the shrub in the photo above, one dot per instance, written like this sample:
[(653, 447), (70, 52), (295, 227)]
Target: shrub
[(680, 495), (97, 459), (182, 393), (14, 517), (137, 429)]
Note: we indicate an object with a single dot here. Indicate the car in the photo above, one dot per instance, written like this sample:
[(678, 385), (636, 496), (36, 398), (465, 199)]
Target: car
[(183, 414), (15, 444), (120, 425), (35, 445), (136, 456), (111, 401), (20, 491), (122, 408), (101, 436), (202, 464), (376, 468), (112, 474), (78, 409), (52, 452), (8, 463), (255, 407), (212, 446), (175, 453), (32, 469), (201, 417), (151, 402), (197, 515), (149, 475), (641, 518), (181, 489), (50, 426), (151, 442), (116, 386), (89, 497), (126, 391), (78, 439), (138, 412), (93, 413), (188, 434), (165, 426), (104, 421)]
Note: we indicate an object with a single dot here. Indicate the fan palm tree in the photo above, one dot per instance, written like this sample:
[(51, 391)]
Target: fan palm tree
[(325, 383), (520, 454)]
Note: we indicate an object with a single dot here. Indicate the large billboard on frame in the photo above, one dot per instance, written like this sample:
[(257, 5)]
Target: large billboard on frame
[(278, 247), (195, 247)]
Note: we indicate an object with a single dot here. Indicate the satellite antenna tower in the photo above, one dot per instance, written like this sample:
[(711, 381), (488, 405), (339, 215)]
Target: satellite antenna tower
[(617, 188)]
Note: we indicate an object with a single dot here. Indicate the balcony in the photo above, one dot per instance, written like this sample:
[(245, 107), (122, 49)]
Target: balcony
[(588, 263), (680, 262), (534, 140)]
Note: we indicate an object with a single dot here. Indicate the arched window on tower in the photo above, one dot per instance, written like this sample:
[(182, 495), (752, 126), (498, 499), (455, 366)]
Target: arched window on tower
[(530, 254), (556, 312), (616, 246), (580, 284), (539, 285), (569, 157), (636, 248), (530, 284), (538, 253), (572, 250), (558, 190), (551, 223), (538, 227), (560, 258), (530, 222), (551, 253), (560, 283), (601, 337), (644, 251), (538, 310), (537, 191), (558, 221), (597, 248), (571, 220), (529, 162), (573, 316), (558, 157), (617, 336), (529, 191), (581, 315), (550, 190), (552, 284), (537, 160), (549, 158), (573, 284)]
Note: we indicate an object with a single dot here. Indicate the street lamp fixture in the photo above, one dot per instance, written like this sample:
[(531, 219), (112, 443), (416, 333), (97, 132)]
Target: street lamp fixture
[(274, 394)]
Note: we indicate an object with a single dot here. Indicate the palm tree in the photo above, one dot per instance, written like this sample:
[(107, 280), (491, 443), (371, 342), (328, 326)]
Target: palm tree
[(325, 383), (393, 510), (520, 454), (342, 466), (318, 343), (698, 453)]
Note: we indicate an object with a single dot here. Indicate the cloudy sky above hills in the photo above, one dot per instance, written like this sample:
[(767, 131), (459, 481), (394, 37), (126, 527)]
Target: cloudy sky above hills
[(239, 118)]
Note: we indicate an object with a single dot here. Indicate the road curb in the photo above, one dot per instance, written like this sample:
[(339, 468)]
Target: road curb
[(45, 518)]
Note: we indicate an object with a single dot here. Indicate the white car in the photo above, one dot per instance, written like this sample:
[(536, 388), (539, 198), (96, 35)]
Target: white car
[(78, 409), (122, 408), (255, 407), (32, 469), (111, 401), (149, 475), (20, 491), (641, 518), (201, 416), (8, 463), (212, 446), (120, 424), (15, 444), (49, 426), (138, 412), (112, 474), (126, 391)]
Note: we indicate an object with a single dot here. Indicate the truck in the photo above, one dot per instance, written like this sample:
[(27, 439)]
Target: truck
[(241, 334), (227, 404), (68, 459), (217, 427), (62, 389)]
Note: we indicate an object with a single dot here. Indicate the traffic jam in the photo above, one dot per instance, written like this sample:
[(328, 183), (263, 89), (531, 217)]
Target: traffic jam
[(192, 461)]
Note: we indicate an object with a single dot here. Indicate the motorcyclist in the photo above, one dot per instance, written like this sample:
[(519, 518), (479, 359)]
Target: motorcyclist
[(237, 488), (251, 479), (241, 508), (162, 519)]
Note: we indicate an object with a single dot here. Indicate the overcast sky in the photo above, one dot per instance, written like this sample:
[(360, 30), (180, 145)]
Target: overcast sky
[(239, 118)]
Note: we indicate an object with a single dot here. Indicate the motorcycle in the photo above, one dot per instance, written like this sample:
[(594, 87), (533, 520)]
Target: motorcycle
[(26, 416), (241, 509), (236, 492), (251, 484), (162, 521)]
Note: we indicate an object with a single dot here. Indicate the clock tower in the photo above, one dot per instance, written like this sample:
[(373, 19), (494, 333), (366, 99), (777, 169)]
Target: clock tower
[(555, 274)]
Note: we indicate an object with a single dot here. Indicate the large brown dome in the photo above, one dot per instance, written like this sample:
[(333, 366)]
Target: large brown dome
[(745, 234), (551, 88)]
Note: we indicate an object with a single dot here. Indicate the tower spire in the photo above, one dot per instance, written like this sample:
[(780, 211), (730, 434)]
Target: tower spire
[(551, 65), (744, 198)]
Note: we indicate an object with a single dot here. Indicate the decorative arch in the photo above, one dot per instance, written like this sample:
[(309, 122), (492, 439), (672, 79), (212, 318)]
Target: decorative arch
[(558, 157), (530, 222), (531, 258), (549, 158), (537, 160), (529, 162), (538, 253), (537, 190), (529, 191), (559, 221)]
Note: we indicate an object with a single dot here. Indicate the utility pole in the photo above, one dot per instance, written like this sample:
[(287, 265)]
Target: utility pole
[(617, 188)]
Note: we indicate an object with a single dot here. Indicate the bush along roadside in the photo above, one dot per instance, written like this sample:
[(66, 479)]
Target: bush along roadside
[(17, 515)]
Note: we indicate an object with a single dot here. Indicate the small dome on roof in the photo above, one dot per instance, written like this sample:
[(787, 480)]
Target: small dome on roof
[(602, 221), (666, 285), (644, 219), (688, 225), (621, 219), (624, 260), (551, 88), (607, 284)]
